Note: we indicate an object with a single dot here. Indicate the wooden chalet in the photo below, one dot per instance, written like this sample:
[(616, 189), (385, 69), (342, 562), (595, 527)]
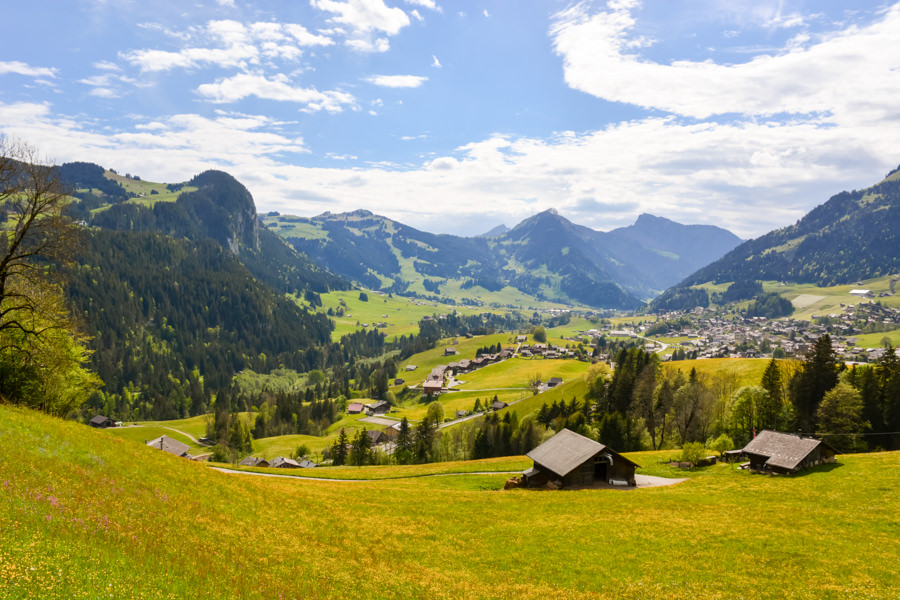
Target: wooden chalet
[(775, 452), (167, 444), (253, 461), (572, 460), (102, 422), (354, 408), (498, 405), (554, 381), (378, 408), (433, 386), (280, 462)]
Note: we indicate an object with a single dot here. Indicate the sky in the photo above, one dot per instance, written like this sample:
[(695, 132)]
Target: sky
[(455, 117)]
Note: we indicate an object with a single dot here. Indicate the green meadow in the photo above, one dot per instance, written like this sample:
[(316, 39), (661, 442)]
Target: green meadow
[(745, 371), (402, 315), (89, 515)]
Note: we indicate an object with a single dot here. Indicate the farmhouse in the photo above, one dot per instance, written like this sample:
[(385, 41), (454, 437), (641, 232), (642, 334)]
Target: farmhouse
[(572, 460), (378, 407), (498, 405), (377, 437), (167, 444), (775, 452), (102, 422), (281, 462), (253, 461), (354, 408), (432, 386)]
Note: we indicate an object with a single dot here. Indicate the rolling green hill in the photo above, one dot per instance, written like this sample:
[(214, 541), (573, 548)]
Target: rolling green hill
[(87, 515)]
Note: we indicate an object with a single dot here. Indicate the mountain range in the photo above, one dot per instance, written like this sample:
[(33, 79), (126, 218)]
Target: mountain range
[(546, 256)]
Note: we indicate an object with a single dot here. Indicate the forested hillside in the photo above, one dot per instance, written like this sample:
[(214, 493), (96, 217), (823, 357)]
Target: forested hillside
[(173, 321), (855, 235)]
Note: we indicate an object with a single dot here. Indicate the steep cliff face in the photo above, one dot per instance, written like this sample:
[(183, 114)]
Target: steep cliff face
[(226, 210)]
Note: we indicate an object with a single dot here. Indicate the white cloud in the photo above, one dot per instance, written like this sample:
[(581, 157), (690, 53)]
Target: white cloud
[(105, 65), (365, 15), (844, 72), (367, 19), (19, 68), (226, 3), (486, 13), (426, 3), (396, 81), (278, 87), (230, 44), (367, 44), (435, 62)]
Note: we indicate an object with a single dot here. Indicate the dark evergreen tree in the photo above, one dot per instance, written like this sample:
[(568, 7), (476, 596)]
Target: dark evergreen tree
[(818, 375)]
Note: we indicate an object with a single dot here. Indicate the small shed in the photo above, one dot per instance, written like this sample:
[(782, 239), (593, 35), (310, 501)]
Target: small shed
[(102, 422), (554, 381), (167, 444), (498, 405), (573, 460), (776, 452), (354, 408)]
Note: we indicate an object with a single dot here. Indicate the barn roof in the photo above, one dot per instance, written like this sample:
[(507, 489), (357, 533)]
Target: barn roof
[(784, 450), (167, 444), (567, 450)]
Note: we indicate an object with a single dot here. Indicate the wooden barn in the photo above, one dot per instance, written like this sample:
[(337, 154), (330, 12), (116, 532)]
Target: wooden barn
[(572, 460), (775, 452), (102, 422)]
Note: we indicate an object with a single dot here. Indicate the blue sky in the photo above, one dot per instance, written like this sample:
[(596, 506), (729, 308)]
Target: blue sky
[(457, 116)]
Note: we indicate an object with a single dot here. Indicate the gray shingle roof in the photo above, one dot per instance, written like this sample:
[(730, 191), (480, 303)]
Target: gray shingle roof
[(783, 450), (167, 444), (565, 451)]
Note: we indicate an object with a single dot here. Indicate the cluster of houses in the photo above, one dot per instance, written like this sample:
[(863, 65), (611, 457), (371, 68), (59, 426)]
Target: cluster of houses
[(549, 351), (279, 462), (712, 336)]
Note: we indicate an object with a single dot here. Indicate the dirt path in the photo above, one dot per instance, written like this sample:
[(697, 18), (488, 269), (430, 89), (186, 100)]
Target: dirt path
[(185, 434), (236, 472)]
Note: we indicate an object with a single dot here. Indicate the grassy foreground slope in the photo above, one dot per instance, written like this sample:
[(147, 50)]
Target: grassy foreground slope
[(86, 515)]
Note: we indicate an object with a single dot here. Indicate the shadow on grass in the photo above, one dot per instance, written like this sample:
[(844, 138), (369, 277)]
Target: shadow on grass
[(819, 469)]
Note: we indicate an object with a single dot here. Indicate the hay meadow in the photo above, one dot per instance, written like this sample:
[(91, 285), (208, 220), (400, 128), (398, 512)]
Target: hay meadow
[(90, 515)]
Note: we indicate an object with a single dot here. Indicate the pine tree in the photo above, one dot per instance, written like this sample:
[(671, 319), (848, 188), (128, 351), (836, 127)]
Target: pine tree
[(339, 449), (403, 454), (818, 375)]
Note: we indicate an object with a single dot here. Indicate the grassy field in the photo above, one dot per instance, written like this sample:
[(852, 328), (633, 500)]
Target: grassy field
[(810, 300), (402, 315), (518, 372), (87, 515), (747, 371)]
